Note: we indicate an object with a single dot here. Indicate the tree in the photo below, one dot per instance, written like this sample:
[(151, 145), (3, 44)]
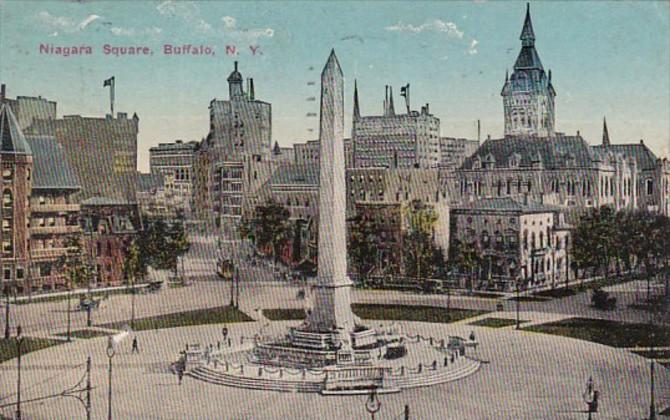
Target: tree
[(364, 243), (76, 271), (135, 267), (465, 257), (160, 244), (594, 243), (420, 251), (270, 227)]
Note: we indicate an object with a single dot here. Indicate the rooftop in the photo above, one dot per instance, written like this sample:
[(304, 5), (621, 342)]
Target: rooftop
[(12, 140), (506, 204), (51, 169)]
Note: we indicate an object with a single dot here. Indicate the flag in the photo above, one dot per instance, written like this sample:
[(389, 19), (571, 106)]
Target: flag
[(404, 90), (108, 82)]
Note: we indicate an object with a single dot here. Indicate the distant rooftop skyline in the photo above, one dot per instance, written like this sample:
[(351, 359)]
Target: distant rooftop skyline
[(607, 59)]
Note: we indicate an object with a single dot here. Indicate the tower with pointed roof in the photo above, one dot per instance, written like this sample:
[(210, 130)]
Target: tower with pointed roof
[(606, 134), (235, 80), (16, 166), (528, 94)]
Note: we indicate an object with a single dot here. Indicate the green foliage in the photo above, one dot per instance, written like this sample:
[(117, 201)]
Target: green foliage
[(364, 243), (159, 245), (466, 258), (269, 227), (75, 267), (423, 259), (628, 237)]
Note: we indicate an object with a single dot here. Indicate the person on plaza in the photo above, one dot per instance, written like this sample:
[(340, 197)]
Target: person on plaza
[(472, 336), (136, 348)]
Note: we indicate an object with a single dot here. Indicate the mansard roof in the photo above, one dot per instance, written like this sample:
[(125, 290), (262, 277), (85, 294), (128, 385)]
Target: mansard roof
[(553, 152), (51, 169), (12, 140), (296, 174), (643, 156)]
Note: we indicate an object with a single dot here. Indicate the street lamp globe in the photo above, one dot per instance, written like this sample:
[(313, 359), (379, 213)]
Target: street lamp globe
[(110, 347)]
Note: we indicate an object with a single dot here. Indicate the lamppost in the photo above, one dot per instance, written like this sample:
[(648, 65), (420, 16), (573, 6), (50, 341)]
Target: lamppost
[(590, 397), (6, 314), (110, 355), (19, 341), (652, 402), (515, 277), (372, 405)]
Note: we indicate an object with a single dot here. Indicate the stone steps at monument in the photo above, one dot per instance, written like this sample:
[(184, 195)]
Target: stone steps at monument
[(440, 376), (222, 378)]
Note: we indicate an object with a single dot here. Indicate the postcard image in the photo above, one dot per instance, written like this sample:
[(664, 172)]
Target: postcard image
[(334, 210)]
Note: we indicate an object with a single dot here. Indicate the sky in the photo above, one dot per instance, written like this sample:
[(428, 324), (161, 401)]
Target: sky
[(607, 59)]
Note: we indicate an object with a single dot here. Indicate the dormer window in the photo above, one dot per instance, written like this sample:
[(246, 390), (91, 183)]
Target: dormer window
[(477, 163), (514, 160)]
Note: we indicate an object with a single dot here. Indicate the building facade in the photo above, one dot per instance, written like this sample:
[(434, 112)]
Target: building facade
[(528, 95), (454, 151), (517, 242), (174, 162), (406, 140), (237, 151)]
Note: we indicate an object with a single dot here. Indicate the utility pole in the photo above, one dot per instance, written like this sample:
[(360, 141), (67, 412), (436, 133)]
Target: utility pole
[(6, 314), (237, 289), (88, 388)]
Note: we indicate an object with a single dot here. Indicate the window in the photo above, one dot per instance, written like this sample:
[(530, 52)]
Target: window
[(19, 273), (6, 225), (649, 186), (7, 174), (7, 199), (7, 273)]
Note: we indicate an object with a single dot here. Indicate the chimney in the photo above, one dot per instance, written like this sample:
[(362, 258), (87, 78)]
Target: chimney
[(577, 133), (479, 130), (386, 100), (641, 141), (252, 94), (2, 93)]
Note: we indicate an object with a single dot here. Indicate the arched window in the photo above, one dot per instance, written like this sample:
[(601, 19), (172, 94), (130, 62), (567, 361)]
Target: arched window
[(7, 174), (541, 239), (525, 239), (7, 199), (532, 240)]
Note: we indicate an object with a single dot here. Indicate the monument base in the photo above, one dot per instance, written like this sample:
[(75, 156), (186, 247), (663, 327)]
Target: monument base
[(308, 349)]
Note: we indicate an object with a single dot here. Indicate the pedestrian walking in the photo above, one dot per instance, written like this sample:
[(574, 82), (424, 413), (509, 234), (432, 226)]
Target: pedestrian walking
[(136, 348)]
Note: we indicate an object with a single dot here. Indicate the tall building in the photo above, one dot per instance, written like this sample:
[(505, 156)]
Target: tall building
[(54, 214), (307, 153), (102, 152), (528, 95), (29, 108), (16, 161), (405, 140), (237, 153), (174, 162)]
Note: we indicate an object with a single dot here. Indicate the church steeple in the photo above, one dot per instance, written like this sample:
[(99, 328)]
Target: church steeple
[(357, 110), (606, 134), (527, 34)]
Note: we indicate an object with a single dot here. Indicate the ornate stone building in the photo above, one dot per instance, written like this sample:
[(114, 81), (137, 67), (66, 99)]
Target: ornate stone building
[(528, 95), (237, 153), (403, 140), (517, 241), (174, 162)]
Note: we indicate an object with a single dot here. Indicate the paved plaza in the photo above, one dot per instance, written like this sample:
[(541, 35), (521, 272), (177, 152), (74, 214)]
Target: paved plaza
[(529, 376)]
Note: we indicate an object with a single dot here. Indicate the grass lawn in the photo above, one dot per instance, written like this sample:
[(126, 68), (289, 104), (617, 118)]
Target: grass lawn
[(75, 296), (9, 351), (85, 334), (412, 313), (610, 333), (496, 322), (181, 319), (294, 314)]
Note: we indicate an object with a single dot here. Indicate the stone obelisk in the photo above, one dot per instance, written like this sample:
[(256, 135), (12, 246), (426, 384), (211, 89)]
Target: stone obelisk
[(331, 298)]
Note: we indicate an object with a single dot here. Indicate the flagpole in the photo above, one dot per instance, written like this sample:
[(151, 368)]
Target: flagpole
[(111, 96)]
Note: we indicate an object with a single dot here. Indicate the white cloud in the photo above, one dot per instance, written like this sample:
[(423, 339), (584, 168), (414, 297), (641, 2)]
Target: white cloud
[(435, 25), (473, 47), (188, 12), (183, 9), (230, 27), (65, 23), (130, 32)]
